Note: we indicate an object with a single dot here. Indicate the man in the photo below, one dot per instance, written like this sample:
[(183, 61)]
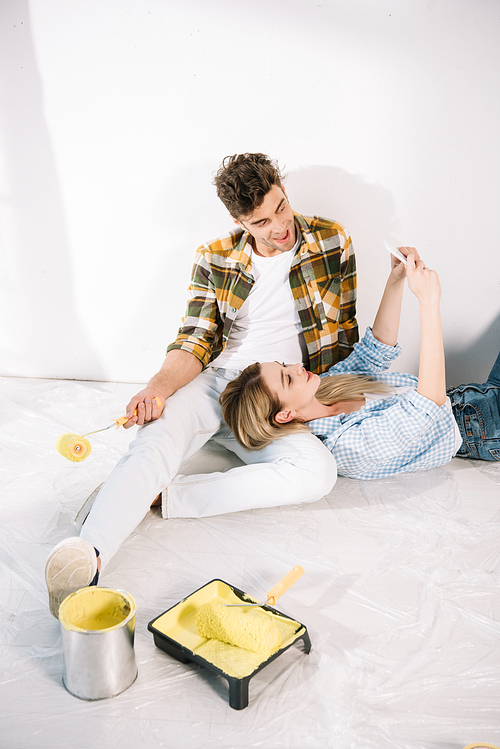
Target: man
[(280, 286)]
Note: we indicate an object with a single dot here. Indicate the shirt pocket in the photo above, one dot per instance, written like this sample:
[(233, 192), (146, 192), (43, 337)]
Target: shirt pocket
[(326, 296)]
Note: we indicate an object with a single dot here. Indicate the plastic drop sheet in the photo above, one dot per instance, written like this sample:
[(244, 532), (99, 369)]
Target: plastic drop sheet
[(401, 598)]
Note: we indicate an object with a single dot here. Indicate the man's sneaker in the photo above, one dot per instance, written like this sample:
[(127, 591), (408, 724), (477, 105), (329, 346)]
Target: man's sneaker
[(71, 565)]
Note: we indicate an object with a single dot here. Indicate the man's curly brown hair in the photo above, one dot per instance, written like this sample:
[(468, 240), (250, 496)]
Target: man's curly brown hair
[(244, 180)]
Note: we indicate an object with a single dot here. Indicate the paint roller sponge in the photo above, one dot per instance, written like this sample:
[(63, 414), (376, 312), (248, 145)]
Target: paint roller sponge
[(245, 628), (73, 447)]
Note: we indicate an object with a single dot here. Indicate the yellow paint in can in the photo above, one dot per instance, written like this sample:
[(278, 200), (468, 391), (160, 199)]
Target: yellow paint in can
[(96, 609)]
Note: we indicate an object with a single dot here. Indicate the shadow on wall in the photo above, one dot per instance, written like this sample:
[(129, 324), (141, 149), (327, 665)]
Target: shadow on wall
[(38, 280), (368, 213), (366, 210), (473, 362)]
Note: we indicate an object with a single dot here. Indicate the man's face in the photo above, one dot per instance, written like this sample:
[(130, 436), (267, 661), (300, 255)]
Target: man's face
[(271, 225)]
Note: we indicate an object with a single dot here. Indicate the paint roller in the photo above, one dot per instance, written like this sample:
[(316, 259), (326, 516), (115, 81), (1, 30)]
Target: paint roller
[(243, 626), (250, 630), (75, 447)]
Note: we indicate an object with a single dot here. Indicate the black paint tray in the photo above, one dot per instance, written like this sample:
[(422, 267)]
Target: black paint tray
[(175, 632)]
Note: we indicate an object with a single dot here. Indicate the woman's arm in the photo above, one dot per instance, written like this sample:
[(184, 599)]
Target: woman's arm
[(386, 325), (424, 283)]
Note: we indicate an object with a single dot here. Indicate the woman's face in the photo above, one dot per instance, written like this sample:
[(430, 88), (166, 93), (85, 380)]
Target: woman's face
[(294, 386)]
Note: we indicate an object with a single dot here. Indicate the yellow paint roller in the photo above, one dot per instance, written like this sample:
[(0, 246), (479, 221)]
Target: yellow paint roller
[(75, 447), (249, 629), (278, 590)]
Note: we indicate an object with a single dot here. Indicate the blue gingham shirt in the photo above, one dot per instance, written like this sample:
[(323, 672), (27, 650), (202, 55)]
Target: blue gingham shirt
[(404, 432)]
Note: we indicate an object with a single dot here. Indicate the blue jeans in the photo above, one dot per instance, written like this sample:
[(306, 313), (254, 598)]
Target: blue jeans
[(477, 412)]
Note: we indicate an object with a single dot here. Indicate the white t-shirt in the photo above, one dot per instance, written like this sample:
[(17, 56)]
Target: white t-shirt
[(267, 326)]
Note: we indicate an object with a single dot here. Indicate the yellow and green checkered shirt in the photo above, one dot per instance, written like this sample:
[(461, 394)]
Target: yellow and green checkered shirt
[(322, 279)]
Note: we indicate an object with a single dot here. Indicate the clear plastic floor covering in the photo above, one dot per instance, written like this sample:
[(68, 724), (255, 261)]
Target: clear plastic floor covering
[(400, 597)]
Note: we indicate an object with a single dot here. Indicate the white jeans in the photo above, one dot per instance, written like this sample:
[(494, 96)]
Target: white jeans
[(296, 469)]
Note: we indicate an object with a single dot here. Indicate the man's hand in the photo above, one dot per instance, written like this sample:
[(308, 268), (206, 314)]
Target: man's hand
[(179, 368), (149, 407)]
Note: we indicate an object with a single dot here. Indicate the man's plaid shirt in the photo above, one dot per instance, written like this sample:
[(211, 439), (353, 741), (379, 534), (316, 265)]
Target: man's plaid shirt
[(322, 280)]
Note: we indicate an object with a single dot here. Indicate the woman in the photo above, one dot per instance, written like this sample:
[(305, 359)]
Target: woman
[(376, 423)]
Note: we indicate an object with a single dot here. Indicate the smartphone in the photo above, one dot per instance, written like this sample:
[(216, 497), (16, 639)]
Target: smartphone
[(394, 251)]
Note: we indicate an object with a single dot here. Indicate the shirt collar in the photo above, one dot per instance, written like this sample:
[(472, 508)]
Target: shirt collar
[(309, 244), (243, 250)]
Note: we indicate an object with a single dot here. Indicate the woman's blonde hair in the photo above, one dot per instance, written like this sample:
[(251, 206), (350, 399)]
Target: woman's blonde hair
[(249, 407)]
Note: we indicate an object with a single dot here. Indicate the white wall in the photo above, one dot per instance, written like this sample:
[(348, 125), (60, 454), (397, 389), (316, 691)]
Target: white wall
[(115, 114)]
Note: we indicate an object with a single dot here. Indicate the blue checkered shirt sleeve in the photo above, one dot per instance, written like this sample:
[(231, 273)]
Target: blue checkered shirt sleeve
[(405, 432)]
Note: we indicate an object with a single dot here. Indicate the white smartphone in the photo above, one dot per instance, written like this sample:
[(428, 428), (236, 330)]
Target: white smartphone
[(394, 251)]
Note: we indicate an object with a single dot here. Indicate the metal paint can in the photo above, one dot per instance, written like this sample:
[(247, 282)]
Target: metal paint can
[(98, 627)]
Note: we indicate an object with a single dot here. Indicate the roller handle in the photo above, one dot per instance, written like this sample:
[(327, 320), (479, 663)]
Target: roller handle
[(124, 419), (284, 584)]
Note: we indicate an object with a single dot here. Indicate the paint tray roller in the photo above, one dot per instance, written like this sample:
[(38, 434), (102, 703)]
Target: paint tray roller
[(75, 447), (249, 629)]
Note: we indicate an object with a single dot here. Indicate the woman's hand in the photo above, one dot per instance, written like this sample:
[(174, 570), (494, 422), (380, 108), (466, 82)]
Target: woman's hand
[(422, 281), (386, 324), (398, 269)]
